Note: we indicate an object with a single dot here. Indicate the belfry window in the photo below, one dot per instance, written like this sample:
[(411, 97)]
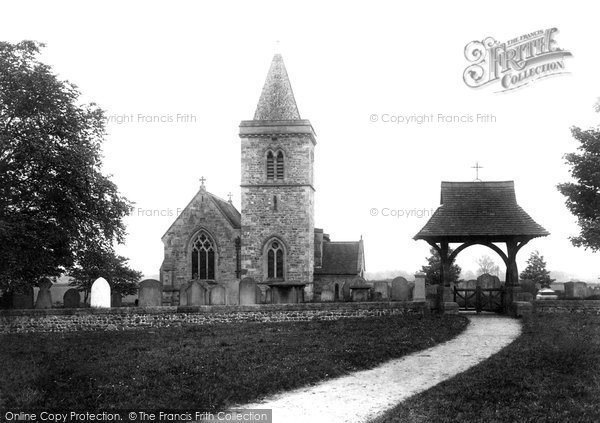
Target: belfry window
[(203, 258), (279, 169), (270, 166), (275, 166), (275, 260)]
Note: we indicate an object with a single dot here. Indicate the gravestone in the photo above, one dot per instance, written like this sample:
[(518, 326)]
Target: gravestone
[(71, 299), (529, 286), (247, 291), (268, 296), (44, 297), (575, 290), (487, 281), (150, 293), (217, 295), (115, 299), (419, 291), (346, 295), (381, 290), (470, 284), (196, 294), (327, 295), (359, 290), (100, 294), (581, 290), (22, 298), (183, 294), (400, 289)]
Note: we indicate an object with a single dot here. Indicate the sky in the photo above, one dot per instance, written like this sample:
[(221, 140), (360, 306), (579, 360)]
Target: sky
[(176, 78)]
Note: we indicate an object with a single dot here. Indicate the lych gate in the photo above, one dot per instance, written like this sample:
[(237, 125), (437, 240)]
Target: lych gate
[(479, 213)]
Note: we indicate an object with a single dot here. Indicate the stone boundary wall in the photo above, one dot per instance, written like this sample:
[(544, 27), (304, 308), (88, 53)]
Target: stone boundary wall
[(87, 319), (566, 307)]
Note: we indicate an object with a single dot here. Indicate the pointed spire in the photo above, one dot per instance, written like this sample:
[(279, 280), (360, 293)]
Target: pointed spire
[(277, 98)]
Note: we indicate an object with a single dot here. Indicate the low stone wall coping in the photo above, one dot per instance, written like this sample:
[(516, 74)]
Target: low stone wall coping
[(125, 318), (214, 308), (566, 306)]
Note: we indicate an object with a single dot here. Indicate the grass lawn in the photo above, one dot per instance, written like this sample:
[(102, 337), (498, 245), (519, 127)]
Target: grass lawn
[(201, 367), (551, 374)]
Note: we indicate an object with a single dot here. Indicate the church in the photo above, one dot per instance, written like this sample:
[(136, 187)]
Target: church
[(272, 242)]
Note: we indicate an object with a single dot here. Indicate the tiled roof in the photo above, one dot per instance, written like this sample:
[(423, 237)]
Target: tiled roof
[(277, 98), (229, 211), (487, 209), (340, 258)]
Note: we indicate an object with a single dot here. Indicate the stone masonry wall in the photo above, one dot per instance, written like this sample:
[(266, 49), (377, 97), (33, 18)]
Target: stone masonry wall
[(567, 307), (71, 320), (293, 221), (201, 214)]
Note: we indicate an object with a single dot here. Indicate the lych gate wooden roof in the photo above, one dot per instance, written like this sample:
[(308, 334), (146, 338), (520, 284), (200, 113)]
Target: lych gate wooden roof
[(471, 210)]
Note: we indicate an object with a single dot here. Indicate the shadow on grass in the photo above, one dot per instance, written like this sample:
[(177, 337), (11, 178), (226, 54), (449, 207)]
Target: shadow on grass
[(551, 373), (201, 367)]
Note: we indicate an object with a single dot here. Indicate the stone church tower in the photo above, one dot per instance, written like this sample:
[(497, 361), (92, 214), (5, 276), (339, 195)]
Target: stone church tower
[(277, 222), (270, 251)]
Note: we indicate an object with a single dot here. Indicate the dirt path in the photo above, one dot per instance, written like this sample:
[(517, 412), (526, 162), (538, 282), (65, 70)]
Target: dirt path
[(364, 395)]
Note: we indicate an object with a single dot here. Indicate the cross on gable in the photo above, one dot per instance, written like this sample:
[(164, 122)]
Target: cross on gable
[(477, 167), (230, 195), (202, 180)]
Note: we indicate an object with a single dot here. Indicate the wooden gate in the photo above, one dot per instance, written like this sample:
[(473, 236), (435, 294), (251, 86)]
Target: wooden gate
[(480, 299)]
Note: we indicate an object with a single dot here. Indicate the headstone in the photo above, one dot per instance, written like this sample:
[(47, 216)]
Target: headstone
[(575, 290), (115, 299), (196, 294), (470, 284), (581, 290), (419, 292), (23, 297), (183, 294), (346, 295), (247, 291), (100, 294), (327, 295), (217, 295), (400, 289), (487, 281), (44, 297), (360, 294), (71, 299), (359, 289), (381, 290), (268, 296), (529, 286), (150, 293)]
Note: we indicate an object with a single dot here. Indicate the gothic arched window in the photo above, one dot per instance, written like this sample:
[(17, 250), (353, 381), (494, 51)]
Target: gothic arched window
[(203, 257), (270, 166), (279, 169), (275, 166), (275, 260)]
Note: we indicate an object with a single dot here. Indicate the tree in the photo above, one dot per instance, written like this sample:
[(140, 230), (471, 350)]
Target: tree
[(583, 195), (536, 270), (96, 263), (54, 200), (434, 264), (487, 265)]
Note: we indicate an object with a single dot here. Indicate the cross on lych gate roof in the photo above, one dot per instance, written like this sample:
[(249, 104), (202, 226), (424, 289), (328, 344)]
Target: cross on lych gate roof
[(477, 167), (230, 195), (202, 180)]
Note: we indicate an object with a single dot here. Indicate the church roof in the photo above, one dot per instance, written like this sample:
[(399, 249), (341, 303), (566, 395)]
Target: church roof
[(479, 209), (341, 258), (229, 211), (277, 98)]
